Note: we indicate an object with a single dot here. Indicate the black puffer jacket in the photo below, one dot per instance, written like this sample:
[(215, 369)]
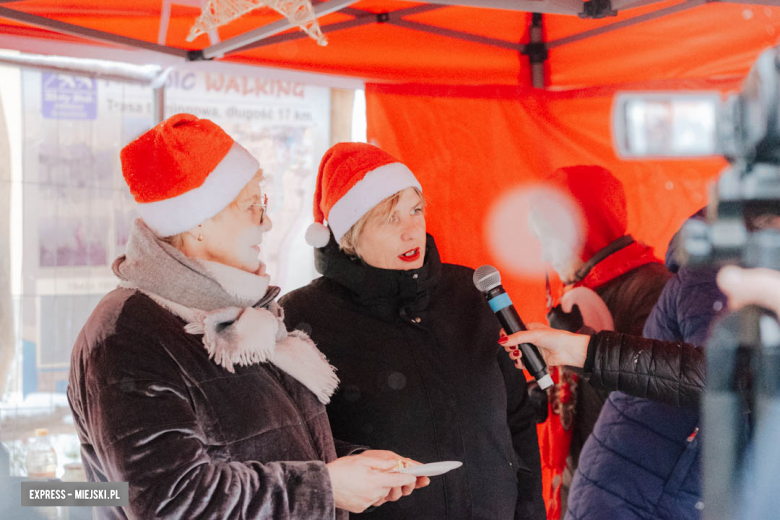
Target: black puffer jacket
[(666, 371), (641, 461), (192, 439), (422, 374)]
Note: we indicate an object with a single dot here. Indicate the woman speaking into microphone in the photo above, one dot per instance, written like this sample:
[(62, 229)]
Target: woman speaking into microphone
[(415, 346)]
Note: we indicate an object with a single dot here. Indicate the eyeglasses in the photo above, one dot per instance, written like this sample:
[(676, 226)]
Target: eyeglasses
[(262, 207)]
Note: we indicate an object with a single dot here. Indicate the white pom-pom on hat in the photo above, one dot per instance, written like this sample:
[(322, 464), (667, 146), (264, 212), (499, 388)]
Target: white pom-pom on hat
[(317, 235)]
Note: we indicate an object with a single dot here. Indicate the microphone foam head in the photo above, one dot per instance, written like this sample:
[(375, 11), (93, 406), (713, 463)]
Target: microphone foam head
[(486, 277)]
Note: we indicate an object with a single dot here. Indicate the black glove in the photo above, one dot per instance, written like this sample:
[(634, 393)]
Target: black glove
[(568, 321)]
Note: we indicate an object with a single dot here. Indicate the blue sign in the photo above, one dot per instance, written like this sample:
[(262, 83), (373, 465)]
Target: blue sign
[(68, 97)]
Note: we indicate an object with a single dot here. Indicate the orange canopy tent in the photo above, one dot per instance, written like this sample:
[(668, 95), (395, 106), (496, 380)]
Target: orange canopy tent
[(451, 88), (431, 42), (454, 91)]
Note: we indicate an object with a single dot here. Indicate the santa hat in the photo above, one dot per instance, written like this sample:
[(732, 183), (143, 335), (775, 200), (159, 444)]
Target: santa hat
[(602, 199), (352, 179), (183, 171)]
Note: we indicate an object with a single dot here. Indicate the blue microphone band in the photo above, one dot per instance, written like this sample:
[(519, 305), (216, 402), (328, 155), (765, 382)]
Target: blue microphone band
[(502, 301)]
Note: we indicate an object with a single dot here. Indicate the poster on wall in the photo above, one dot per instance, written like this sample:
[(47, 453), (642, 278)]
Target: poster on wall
[(77, 211)]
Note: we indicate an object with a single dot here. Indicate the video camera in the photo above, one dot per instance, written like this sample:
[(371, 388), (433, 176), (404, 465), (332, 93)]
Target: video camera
[(745, 129), (742, 227)]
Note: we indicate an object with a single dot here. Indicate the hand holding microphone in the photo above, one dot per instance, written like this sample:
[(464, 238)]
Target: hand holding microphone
[(558, 347), (488, 280)]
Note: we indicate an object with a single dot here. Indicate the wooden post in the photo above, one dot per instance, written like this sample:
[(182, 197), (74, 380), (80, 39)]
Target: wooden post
[(341, 102)]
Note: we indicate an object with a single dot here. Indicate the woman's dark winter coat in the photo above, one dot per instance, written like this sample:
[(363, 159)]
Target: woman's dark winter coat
[(422, 374), (643, 459), (192, 439)]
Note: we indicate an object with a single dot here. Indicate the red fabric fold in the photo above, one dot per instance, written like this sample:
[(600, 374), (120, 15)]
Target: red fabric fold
[(555, 434)]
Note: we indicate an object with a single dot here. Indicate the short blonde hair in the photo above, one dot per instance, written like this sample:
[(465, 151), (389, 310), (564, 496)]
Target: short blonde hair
[(381, 211)]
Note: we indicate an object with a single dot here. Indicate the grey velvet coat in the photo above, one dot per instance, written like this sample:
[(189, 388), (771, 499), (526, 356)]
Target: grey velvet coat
[(192, 439)]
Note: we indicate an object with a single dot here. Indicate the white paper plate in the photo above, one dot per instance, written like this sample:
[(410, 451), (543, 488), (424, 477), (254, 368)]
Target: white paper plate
[(433, 469)]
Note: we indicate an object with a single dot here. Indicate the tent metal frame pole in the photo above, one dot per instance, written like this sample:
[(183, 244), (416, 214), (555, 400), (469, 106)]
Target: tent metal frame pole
[(158, 104), (536, 50), (688, 4), (406, 11), (165, 20), (79, 67), (570, 7), (361, 18), (396, 18), (772, 3), (459, 35), (222, 48), (281, 38), (91, 34), (622, 5)]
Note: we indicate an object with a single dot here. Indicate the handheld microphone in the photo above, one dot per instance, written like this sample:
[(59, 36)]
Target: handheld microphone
[(488, 280)]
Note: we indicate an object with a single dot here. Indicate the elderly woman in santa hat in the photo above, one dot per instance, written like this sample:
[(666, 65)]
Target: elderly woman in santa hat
[(415, 346), (184, 381)]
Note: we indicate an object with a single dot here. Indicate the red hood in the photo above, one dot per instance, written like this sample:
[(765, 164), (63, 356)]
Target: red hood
[(602, 200)]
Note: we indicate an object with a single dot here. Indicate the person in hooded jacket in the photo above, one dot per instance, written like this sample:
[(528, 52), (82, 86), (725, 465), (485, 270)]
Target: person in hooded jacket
[(642, 461), (415, 346), (608, 277), (184, 382)]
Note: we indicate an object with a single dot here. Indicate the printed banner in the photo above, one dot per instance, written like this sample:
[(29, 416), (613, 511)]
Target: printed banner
[(78, 211)]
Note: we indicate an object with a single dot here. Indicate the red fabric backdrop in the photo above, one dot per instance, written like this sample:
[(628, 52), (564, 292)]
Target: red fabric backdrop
[(469, 146)]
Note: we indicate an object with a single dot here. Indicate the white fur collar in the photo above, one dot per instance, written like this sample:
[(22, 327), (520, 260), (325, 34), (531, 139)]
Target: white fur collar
[(247, 286)]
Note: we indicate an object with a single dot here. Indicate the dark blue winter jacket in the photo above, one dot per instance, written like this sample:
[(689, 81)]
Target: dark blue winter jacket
[(642, 460)]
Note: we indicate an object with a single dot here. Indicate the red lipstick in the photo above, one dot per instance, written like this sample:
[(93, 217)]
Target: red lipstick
[(410, 256)]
